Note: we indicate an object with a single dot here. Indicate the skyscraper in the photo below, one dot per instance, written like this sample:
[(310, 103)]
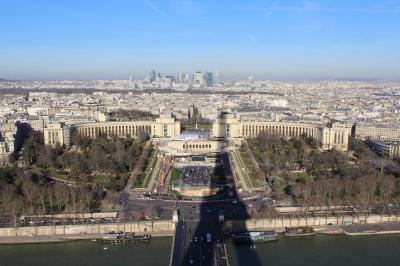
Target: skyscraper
[(183, 78), (153, 76), (198, 78), (209, 77), (216, 78)]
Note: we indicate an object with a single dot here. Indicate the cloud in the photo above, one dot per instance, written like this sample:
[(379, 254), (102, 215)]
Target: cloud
[(188, 7), (313, 6), (269, 12), (154, 8)]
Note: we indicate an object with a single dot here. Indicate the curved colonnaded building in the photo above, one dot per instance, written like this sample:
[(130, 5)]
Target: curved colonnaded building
[(226, 127)]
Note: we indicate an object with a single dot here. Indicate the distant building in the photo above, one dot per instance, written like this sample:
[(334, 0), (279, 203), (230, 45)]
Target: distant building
[(8, 143), (183, 78), (198, 78), (152, 76), (206, 79), (216, 78), (37, 123), (57, 134), (8, 133), (209, 78), (365, 132), (385, 149)]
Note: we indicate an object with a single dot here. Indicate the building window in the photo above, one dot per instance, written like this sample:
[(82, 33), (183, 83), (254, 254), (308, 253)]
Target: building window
[(165, 130)]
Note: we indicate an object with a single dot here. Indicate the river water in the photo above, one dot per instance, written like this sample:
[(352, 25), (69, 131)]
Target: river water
[(305, 251), (321, 250)]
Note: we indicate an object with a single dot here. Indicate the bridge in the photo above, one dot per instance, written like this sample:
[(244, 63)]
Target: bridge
[(199, 238)]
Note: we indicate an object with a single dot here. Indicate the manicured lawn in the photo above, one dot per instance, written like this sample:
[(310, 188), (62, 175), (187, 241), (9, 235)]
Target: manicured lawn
[(175, 174), (60, 174), (96, 179), (140, 180), (250, 167)]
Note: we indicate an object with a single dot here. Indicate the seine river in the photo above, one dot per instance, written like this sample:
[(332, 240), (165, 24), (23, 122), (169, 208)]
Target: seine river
[(317, 250)]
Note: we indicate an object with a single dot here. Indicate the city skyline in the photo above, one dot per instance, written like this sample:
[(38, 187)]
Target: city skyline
[(200, 132), (291, 40)]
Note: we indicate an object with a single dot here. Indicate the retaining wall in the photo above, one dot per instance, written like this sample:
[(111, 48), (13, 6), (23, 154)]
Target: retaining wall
[(136, 227), (279, 223)]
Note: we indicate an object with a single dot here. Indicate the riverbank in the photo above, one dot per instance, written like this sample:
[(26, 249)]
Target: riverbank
[(371, 225), (14, 240), (349, 230)]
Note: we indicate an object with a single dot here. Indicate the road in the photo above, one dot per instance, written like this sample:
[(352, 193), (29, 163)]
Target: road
[(191, 246), (197, 219)]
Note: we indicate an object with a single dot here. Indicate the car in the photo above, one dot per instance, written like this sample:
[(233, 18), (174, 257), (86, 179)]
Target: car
[(195, 239), (208, 238)]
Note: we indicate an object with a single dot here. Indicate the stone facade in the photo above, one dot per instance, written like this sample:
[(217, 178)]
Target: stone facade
[(228, 126), (200, 146), (57, 134), (377, 132), (162, 127)]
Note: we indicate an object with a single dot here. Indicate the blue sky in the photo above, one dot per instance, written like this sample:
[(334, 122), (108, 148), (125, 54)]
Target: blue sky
[(277, 39)]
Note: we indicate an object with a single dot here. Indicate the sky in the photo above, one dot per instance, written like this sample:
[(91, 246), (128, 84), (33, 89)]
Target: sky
[(271, 39)]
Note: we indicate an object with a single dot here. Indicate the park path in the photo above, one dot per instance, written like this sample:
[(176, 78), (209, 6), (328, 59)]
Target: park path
[(137, 170)]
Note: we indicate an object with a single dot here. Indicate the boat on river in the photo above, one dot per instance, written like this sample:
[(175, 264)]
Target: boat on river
[(299, 231), (254, 236), (122, 238)]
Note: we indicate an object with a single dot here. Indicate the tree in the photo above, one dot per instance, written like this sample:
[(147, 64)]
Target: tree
[(30, 192), (7, 195), (386, 189), (32, 146)]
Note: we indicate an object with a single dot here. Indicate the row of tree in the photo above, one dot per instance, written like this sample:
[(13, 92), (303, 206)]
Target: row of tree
[(95, 166), (26, 193), (101, 156), (367, 193), (332, 178), (131, 115)]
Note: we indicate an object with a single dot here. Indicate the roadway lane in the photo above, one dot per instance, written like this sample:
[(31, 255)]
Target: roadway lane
[(191, 246)]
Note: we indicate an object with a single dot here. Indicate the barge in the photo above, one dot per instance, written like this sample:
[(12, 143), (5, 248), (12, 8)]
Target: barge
[(124, 238), (299, 231), (254, 236)]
